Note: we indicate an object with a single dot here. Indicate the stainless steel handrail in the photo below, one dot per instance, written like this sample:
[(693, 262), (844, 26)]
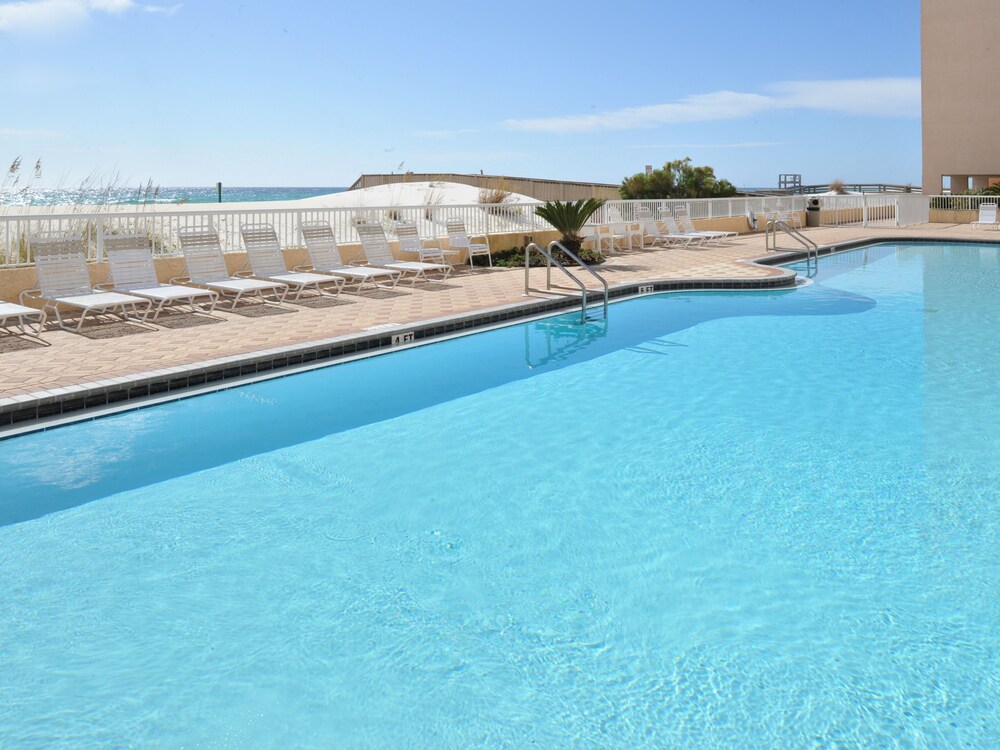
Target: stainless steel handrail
[(550, 260), (771, 238), (591, 271)]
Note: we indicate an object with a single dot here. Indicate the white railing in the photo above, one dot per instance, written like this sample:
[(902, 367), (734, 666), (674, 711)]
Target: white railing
[(698, 208), (873, 210), (162, 224), (960, 202), (912, 209)]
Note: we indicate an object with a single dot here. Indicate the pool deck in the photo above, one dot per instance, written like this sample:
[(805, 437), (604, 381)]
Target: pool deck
[(113, 357)]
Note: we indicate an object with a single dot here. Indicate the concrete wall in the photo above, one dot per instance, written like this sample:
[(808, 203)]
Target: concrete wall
[(961, 92)]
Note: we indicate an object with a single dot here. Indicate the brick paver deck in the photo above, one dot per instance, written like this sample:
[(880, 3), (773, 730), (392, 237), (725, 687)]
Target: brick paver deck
[(119, 350)]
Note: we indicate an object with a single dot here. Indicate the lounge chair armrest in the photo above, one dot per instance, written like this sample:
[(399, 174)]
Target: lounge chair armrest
[(30, 294), (182, 279), (105, 286), (243, 274), (303, 268)]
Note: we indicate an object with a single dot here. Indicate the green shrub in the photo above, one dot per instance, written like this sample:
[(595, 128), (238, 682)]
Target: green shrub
[(514, 258)]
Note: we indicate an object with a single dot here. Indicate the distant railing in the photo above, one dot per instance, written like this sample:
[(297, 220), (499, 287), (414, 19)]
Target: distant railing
[(857, 187)]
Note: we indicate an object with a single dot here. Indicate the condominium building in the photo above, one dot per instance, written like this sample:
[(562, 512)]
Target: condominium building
[(960, 49)]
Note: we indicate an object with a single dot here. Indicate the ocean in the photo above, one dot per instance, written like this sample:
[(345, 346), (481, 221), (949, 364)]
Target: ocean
[(137, 196)]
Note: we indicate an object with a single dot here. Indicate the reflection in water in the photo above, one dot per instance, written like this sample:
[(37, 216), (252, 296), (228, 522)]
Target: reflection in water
[(561, 338)]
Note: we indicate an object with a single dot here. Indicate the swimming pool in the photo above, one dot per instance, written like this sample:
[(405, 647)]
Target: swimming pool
[(722, 520)]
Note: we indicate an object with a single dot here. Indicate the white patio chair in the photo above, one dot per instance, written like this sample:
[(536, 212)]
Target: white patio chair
[(12, 314), (987, 216), (205, 265), (64, 281), (684, 219), (410, 242), (324, 257), (130, 263), (377, 253), (630, 231), (790, 217), (459, 239), (265, 261)]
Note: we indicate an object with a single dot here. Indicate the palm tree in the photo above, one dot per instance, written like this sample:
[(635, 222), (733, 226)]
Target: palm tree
[(568, 218)]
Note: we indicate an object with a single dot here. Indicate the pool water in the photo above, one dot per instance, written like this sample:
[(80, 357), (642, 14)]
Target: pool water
[(738, 520)]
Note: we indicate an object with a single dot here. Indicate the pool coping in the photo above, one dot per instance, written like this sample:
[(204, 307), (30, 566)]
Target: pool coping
[(46, 409)]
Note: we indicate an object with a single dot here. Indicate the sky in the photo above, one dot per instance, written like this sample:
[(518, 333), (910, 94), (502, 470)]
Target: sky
[(260, 93)]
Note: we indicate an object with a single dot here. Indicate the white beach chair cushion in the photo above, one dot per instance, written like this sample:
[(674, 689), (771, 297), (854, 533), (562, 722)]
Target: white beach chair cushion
[(13, 310), (100, 300)]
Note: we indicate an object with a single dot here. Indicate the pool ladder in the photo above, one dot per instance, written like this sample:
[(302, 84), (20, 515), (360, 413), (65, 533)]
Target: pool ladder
[(550, 260), (771, 239)]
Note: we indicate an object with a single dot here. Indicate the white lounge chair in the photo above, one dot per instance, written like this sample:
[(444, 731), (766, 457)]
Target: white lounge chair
[(410, 242), (12, 314), (653, 235), (324, 257), (64, 281), (987, 216), (673, 229), (130, 262), (458, 238), (266, 261), (688, 226), (377, 253), (205, 265)]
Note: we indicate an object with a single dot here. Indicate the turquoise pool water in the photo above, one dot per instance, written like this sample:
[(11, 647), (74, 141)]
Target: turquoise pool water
[(723, 520)]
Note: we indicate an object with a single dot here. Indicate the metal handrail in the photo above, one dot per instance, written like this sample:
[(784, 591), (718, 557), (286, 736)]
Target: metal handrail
[(550, 260), (587, 268), (771, 238)]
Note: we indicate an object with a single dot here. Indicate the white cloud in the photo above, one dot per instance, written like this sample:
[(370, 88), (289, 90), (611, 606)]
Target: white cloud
[(722, 105), (41, 15), (165, 9), (881, 97), (111, 6), (878, 97), (45, 16)]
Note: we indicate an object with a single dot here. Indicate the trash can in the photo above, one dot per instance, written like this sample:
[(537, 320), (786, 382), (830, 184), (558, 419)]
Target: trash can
[(812, 212)]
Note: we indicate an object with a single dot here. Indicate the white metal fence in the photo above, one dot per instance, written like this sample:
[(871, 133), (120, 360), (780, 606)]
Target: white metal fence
[(873, 210), (960, 202), (163, 225), (16, 230)]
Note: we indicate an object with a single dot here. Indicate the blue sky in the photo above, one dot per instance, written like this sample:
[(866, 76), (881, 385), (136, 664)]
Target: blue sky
[(314, 93)]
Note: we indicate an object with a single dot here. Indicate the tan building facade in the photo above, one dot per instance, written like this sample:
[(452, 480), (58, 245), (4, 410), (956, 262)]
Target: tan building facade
[(960, 49)]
